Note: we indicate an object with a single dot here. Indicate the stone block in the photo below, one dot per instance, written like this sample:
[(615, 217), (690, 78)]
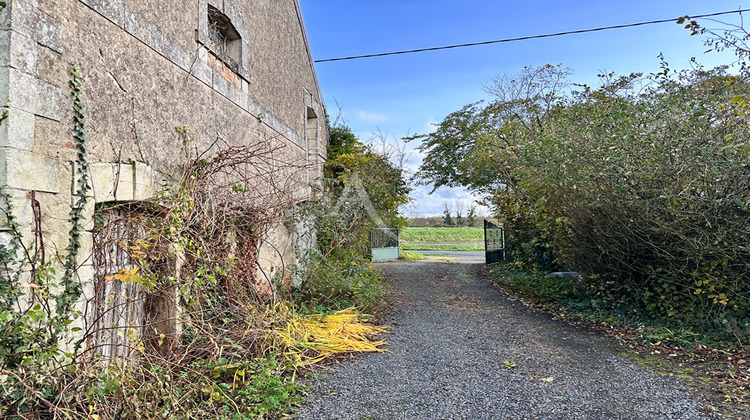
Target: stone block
[(48, 31), (24, 170), (76, 184), (19, 15), (86, 275), (112, 182), (221, 84), (131, 21), (21, 203), (202, 71), (235, 95), (114, 10), (4, 85), (22, 54), (88, 213), (144, 182), (85, 253), (5, 16), (4, 47), (178, 55), (32, 95), (17, 131)]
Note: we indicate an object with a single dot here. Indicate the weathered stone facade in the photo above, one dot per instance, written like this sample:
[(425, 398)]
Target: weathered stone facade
[(230, 69)]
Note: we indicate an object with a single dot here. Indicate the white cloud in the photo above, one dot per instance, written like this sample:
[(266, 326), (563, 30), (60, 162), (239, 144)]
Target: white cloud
[(371, 117), (430, 125)]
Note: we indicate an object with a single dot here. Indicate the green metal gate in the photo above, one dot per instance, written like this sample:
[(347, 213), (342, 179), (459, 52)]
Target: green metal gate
[(384, 244)]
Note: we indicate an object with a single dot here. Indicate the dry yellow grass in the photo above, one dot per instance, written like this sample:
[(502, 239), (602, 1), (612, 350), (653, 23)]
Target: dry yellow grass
[(311, 339)]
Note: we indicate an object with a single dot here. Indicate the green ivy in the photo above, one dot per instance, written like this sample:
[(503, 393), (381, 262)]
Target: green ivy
[(71, 289)]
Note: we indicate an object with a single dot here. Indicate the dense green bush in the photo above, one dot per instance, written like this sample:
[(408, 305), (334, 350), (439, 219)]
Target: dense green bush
[(646, 190), (337, 285), (362, 189), (641, 184)]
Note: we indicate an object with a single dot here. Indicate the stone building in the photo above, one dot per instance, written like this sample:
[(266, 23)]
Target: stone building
[(162, 80)]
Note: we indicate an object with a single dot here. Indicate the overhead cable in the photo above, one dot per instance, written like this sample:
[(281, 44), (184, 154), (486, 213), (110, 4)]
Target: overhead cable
[(524, 38)]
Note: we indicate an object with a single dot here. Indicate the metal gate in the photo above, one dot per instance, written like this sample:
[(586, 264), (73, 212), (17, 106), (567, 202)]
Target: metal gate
[(119, 313), (384, 244), (494, 242)]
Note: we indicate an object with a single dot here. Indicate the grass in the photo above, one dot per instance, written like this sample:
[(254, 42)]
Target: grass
[(442, 239), (410, 256)]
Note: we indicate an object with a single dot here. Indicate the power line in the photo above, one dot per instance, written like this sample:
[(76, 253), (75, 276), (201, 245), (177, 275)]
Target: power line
[(523, 38)]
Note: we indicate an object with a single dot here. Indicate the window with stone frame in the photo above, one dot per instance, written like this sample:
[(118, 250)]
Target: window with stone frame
[(223, 39)]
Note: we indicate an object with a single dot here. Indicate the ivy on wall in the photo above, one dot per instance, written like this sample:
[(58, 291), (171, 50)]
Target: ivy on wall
[(31, 330), (71, 289)]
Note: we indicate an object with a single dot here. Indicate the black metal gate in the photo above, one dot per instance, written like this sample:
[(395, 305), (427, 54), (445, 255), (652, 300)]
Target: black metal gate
[(494, 242)]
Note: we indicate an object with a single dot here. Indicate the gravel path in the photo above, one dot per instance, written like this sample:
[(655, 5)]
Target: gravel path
[(451, 335)]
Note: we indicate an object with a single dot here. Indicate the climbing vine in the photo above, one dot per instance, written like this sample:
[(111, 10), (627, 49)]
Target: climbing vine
[(31, 329), (71, 289)]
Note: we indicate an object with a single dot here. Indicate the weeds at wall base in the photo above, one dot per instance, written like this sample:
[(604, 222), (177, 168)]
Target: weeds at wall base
[(228, 361)]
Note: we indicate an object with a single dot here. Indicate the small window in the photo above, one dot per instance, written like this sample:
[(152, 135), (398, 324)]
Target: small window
[(223, 39)]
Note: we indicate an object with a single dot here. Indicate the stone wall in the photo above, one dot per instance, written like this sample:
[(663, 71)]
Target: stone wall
[(150, 66)]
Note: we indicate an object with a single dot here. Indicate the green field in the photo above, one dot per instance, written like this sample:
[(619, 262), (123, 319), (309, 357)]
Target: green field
[(442, 238)]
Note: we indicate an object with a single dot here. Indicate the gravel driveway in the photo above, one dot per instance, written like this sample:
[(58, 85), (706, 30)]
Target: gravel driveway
[(452, 334)]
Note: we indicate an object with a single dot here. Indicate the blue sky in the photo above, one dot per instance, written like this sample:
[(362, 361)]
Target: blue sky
[(403, 95)]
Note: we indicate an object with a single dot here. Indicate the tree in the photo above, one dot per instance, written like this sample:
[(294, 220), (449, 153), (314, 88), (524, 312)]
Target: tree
[(640, 183), (472, 216), (459, 212), (354, 169), (447, 219)]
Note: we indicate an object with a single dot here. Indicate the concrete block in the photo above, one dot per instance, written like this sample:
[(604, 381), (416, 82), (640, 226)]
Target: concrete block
[(24, 170), (144, 182), (17, 131), (112, 182), (32, 95)]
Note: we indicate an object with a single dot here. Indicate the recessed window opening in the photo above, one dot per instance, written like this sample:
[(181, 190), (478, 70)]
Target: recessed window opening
[(224, 40)]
